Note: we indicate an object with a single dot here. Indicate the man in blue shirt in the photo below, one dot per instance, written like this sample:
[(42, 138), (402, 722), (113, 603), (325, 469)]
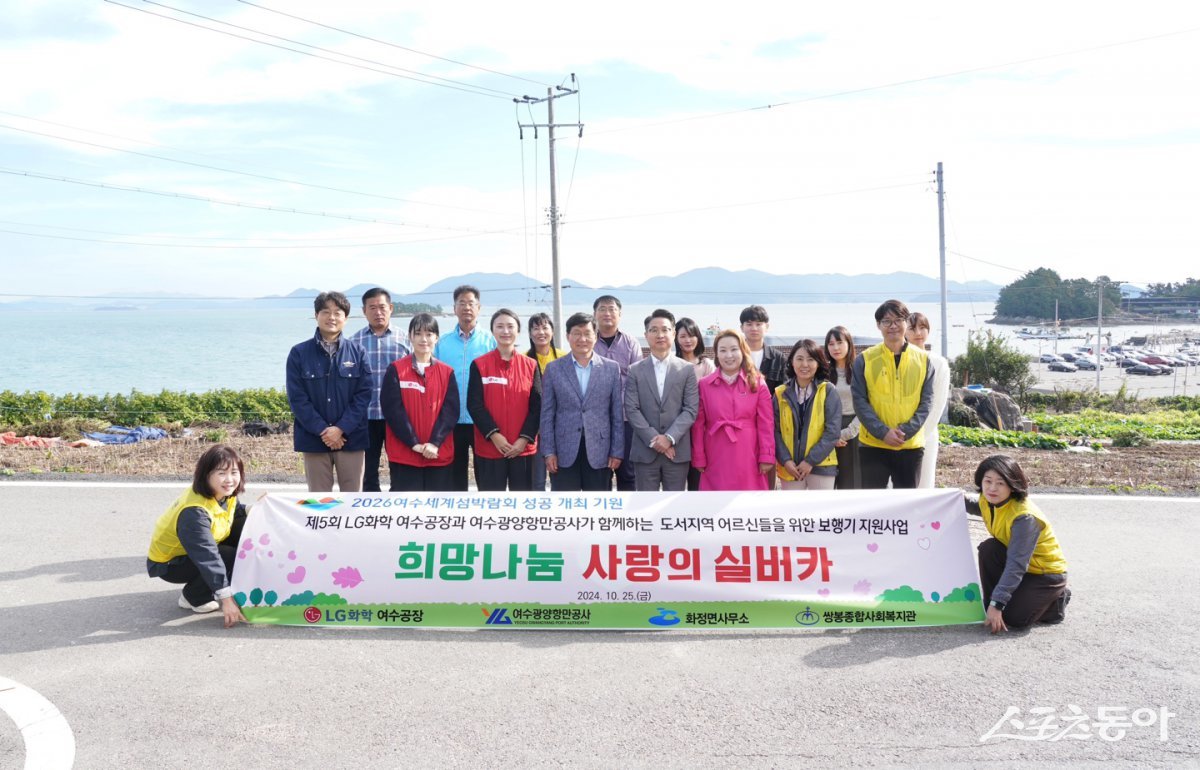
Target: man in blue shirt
[(458, 349), (382, 345)]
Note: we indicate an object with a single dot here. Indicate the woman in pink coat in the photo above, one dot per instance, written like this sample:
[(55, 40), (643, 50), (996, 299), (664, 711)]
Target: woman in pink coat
[(733, 441)]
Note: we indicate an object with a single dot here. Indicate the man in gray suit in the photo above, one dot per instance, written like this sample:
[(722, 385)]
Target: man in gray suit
[(582, 437), (661, 400)]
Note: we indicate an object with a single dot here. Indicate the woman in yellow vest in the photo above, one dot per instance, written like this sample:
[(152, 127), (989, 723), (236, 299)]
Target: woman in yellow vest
[(542, 350), (1021, 566), (195, 541), (808, 421)]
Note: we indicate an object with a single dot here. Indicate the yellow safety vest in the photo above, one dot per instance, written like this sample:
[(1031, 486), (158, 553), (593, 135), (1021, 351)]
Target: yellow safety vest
[(164, 543), (1047, 556), (787, 427), (894, 393)]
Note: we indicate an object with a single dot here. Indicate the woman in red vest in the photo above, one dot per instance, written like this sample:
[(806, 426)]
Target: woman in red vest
[(504, 398), (419, 399)]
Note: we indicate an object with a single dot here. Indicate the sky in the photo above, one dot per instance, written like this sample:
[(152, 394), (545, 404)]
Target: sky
[(143, 151)]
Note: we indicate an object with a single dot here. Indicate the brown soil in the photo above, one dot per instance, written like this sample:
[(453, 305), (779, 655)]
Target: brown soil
[(1162, 468)]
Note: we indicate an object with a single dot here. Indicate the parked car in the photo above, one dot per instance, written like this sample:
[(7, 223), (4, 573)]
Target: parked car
[(1125, 363), (1049, 358), (1086, 364), (1145, 369), (1062, 366), (1071, 357)]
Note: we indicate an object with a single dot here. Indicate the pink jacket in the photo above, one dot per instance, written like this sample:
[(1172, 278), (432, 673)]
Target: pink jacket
[(733, 433)]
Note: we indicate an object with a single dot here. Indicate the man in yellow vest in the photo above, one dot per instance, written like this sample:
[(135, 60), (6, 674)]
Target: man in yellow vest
[(892, 387)]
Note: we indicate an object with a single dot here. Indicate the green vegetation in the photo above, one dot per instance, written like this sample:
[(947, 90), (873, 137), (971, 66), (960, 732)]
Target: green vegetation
[(36, 411), (953, 434), (1160, 424), (992, 362), (412, 308), (1188, 290), (1034, 294)]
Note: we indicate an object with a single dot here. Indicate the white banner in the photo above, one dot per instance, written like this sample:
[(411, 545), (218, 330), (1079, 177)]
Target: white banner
[(764, 559)]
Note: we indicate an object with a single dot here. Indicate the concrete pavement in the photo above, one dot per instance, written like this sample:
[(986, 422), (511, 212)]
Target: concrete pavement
[(143, 684)]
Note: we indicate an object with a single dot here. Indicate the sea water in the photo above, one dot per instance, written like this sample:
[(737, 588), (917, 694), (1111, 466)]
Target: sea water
[(96, 352)]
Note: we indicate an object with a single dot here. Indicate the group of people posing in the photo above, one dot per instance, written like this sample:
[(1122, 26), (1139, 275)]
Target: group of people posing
[(823, 416)]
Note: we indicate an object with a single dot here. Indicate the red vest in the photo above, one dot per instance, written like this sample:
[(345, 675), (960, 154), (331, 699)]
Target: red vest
[(423, 398), (506, 389)]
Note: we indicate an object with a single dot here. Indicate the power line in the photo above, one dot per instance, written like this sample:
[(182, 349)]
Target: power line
[(248, 246), (392, 45), (243, 173), (242, 204), (334, 242), (466, 88), (899, 83), (330, 50), (985, 262)]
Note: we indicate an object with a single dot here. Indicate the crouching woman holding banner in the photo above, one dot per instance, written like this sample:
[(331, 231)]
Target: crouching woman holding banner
[(195, 540), (1021, 566), (419, 400)]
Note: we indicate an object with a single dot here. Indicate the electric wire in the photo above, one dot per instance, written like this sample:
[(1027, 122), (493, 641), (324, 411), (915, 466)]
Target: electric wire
[(251, 174), (392, 45), (900, 83), (243, 204), (470, 89)]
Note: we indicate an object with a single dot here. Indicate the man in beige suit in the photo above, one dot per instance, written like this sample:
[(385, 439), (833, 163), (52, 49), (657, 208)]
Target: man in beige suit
[(661, 400)]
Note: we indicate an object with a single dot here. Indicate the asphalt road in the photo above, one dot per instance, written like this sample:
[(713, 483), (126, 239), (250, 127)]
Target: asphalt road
[(141, 683)]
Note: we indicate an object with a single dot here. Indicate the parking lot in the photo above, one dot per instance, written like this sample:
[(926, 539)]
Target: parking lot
[(1181, 381)]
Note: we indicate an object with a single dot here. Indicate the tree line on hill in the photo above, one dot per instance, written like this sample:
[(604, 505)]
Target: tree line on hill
[(1039, 293)]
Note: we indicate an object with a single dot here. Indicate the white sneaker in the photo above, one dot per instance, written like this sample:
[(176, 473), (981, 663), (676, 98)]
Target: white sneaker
[(212, 606)]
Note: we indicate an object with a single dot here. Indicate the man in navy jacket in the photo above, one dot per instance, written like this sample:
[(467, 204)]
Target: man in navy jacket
[(582, 435), (329, 390)]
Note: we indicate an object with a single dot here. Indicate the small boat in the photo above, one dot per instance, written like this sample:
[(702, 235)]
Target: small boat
[(1041, 333)]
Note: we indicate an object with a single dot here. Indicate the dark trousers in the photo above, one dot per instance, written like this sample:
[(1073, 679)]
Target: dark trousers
[(1036, 597), (464, 437), (537, 467), (901, 466), (626, 481), (847, 457), (182, 569), (514, 475), (376, 433), (429, 478), (580, 476), (693, 482)]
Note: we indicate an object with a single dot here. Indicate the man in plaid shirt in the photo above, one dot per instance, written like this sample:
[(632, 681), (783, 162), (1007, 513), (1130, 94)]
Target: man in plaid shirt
[(382, 345)]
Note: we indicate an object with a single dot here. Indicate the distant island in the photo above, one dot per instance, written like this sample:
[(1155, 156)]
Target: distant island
[(701, 286)]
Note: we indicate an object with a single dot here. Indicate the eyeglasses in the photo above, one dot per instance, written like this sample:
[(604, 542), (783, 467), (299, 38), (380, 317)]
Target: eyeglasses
[(892, 323), (659, 330)]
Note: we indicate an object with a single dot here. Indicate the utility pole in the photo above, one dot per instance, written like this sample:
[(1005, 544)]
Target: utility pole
[(942, 257), (550, 125), (1099, 327)]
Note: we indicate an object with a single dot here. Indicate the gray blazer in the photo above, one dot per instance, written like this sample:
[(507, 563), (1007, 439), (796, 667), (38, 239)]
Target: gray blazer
[(567, 413), (673, 414)]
